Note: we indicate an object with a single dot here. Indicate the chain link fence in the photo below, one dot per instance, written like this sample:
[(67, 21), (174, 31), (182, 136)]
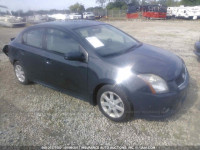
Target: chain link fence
[(116, 14), (111, 14)]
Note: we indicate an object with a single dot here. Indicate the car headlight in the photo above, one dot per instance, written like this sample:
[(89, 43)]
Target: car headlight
[(155, 83), (123, 74)]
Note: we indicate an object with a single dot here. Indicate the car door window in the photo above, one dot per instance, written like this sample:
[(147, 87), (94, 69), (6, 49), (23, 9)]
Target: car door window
[(33, 38), (60, 42)]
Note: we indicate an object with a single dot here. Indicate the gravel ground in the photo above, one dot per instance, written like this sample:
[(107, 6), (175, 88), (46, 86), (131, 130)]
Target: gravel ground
[(34, 115)]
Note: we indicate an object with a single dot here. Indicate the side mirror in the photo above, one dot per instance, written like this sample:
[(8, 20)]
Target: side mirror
[(75, 56)]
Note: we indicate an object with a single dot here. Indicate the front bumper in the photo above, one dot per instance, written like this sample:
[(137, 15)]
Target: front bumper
[(162, 105), (159, 105), (90, 17)]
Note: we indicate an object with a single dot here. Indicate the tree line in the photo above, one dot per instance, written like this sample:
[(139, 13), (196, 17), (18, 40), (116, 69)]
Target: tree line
[(109, 5), (123, 4)]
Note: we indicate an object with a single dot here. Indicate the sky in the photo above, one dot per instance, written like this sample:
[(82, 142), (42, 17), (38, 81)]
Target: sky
[(44, 4)]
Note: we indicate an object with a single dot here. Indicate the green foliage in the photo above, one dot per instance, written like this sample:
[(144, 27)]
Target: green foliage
[(118, 5), (190, 2), (77, 8), (135, 2), (101, 2), (162, 2), (171, 3), (98, 11), (92, 9)]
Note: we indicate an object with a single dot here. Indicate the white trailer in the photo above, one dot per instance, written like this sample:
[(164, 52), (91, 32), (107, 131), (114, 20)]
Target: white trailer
[(184, 12)]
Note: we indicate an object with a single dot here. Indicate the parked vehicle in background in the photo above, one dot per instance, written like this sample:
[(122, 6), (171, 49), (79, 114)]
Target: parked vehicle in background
[(133, 11), (8, 20), (171, 12), (88, 15), (75, 16), (197, 48), (59, 16), (147, 11), (35, 19), (154, 11), (184, 12)]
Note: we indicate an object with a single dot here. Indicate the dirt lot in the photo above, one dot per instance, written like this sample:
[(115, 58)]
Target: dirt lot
[(36, 115)]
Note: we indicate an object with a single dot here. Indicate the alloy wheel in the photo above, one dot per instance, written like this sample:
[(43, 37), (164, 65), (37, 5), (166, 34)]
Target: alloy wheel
[(112, 104), (20, 73)]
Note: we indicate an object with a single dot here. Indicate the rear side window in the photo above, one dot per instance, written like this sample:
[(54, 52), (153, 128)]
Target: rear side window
[(60, 42), (33, 38)]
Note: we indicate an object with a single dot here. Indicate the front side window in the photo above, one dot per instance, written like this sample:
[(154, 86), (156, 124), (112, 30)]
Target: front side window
[(33, 38), (61, 42), (106, 40)]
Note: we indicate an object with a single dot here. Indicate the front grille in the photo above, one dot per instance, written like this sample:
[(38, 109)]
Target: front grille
[(182, 77)]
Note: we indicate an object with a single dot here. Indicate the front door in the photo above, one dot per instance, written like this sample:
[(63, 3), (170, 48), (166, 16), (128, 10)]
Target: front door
[(62, 73)]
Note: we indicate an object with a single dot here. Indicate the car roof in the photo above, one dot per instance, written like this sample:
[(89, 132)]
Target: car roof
[(70, 24)]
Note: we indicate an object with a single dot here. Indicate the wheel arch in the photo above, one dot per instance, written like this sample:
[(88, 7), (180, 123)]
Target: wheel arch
[(99, 86), (14, 61), (94, 96)]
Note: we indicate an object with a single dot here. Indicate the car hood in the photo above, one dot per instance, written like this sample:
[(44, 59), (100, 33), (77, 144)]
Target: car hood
[(148, 59)]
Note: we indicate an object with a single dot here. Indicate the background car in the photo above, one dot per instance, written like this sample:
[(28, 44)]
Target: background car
[(102, 65), (88, 15), (75, 16), (8, 20)]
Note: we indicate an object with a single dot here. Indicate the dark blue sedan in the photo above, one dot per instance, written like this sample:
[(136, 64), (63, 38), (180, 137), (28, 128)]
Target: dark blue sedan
[(101, 64)]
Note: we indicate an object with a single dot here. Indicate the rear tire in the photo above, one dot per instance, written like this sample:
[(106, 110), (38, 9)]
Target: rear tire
[(20, 73), (113, 103)]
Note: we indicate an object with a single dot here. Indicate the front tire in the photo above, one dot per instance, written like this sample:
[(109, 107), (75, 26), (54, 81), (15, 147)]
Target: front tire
[(113, 103), (20, 73)]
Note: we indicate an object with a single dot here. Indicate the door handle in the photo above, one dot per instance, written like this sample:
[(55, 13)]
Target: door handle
[(48, 61)]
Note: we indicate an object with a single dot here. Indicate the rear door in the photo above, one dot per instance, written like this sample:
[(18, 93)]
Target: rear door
[(32, 53), (62, 73)]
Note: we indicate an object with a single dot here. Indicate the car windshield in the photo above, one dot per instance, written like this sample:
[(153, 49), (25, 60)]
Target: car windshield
[(107, 40)]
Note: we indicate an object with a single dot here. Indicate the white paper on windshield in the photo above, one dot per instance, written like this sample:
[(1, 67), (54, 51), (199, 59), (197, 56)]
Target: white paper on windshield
[(95, 42)]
